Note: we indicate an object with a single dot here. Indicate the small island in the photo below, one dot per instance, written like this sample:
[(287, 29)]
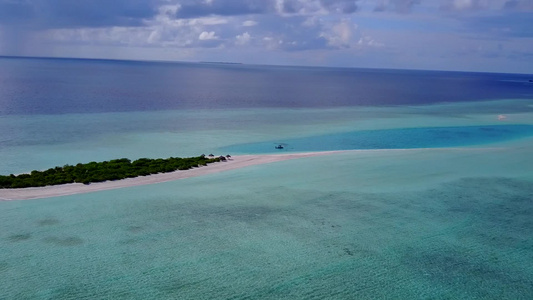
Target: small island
[(116, 169)]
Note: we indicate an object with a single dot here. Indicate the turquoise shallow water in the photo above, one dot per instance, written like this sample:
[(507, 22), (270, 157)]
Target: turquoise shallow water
[(403, 138), (447, 223)]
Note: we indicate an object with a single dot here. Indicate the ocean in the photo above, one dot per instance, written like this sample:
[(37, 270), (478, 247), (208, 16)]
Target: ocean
[(436, 201)]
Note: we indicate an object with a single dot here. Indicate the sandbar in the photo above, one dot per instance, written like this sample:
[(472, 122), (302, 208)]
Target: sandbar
[(235, 162)]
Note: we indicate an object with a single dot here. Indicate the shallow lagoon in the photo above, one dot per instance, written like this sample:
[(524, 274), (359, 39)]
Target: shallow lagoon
[(401, 138), (418, 223), (44, 141)]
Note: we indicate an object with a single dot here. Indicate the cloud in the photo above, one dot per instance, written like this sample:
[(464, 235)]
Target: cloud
[(249, 23), (32, 19), (74, 14), (346, 35), (464, 5), (340, 35), (291, 7), (515, 24), (400, 6), (317, 6), (492, 5), (523, 5), (204, 36), (194, 9), (243, 39), (340, 6)]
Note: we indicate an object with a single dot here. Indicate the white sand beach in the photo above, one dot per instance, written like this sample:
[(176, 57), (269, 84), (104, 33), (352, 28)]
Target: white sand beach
[(79, 188)]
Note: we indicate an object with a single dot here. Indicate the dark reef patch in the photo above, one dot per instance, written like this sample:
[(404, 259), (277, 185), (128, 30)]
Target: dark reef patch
[(128, 241), (19, 237), (134, 229), (3, 266), (67, 241), (48, 222), (240, 213)]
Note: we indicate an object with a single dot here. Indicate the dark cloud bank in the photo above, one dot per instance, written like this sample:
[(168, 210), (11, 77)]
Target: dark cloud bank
[(44, 14)]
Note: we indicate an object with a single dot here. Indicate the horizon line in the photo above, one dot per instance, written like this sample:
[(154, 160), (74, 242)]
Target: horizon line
[(231, 63)]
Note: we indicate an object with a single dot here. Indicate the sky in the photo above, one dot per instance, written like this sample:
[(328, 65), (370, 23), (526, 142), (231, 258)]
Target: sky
[(462, 35)]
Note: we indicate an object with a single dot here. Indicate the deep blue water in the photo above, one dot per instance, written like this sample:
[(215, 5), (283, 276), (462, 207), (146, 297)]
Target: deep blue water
[(400, 138), (57, 86)]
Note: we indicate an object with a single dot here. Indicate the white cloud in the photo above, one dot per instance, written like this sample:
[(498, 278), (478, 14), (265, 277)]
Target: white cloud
[(311, 21), (462, 4), (243, 39), (340, 35), (369, 42), (271, 43), (204, 36), (154, 37), (208, 21), (249, 23), (399, 6), (468, 4), (168, 10)]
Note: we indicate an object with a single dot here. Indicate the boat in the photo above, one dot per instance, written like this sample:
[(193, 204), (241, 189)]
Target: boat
[(279, 147)]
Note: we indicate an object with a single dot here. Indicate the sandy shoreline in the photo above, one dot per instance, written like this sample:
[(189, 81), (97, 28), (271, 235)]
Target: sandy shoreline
[(236, 162)]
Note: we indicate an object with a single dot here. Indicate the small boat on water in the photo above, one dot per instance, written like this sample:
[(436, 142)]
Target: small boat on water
[(279, 147)]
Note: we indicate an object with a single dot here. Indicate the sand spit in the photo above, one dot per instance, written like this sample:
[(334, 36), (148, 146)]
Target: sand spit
[(236, 162)]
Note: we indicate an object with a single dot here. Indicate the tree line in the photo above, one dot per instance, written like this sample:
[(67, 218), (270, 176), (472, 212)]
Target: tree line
[(103, 171)]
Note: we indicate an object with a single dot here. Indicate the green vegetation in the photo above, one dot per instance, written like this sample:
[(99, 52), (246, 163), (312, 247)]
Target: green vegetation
[(103, 171)]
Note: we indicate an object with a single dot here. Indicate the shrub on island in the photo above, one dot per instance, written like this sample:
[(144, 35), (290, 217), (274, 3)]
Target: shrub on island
[(116, 169)]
